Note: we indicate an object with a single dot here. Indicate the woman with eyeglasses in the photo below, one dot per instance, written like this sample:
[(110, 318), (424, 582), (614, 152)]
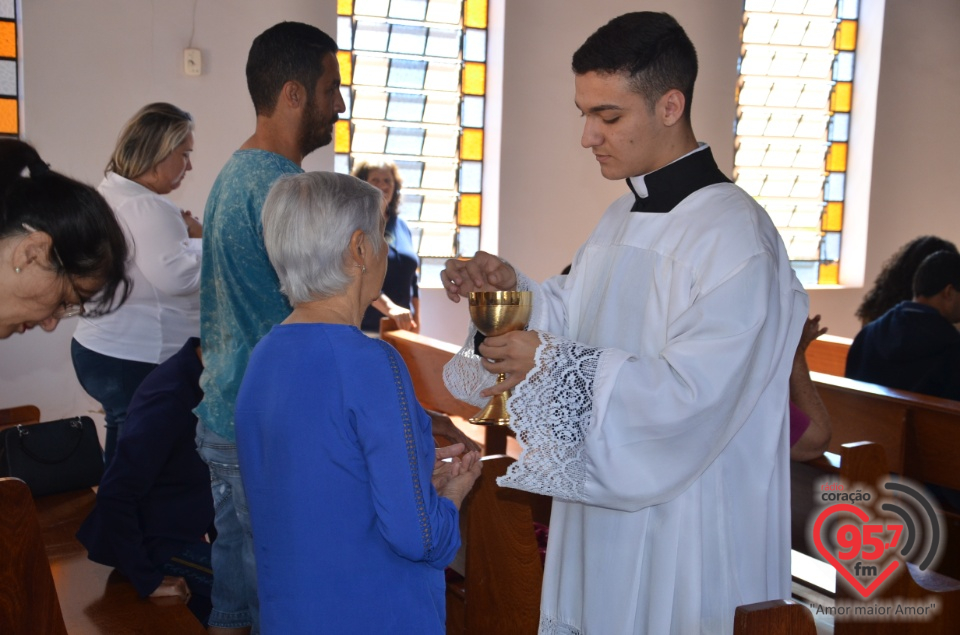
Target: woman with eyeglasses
[(62, 252), (114, 353)]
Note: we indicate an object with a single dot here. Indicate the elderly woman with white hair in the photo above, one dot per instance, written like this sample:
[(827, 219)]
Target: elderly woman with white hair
[(354, 514)]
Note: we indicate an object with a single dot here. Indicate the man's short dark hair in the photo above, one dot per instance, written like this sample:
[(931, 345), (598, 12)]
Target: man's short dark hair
[(651, 49), (937, 270), (284, 52)]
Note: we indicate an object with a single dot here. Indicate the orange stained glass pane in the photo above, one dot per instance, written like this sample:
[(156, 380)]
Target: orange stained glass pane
[(344, 7), (842, 97), (832, 217), (471, 144), (829, 273), (846, 35), (9, 117), (469, 213), (837, 157), (341, 136), (474, 78), (345, 59), (475, 14), (8, 39)]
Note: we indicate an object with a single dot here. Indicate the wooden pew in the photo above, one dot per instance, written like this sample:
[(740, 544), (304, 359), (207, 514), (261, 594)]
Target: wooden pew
[(18, 415), (866, 463), (828, 354), (28, 597), (425, 357), (499, 592), (919, 433), (774, 617), (95, 599)]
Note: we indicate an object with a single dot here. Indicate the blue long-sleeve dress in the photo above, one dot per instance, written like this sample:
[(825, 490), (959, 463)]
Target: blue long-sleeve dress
[(336, 457)]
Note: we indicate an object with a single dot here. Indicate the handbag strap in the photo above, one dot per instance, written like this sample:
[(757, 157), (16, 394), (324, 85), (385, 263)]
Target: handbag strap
[(23, 432)]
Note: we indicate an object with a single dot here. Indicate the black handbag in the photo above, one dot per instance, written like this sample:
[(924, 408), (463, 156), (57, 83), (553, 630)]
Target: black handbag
[(53, 456)]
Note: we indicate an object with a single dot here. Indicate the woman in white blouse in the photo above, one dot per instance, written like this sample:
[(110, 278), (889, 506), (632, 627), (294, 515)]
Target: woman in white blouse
[(113, 353)]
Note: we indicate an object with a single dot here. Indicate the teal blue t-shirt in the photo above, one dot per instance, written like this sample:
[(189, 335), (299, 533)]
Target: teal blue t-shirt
[(240, 299)]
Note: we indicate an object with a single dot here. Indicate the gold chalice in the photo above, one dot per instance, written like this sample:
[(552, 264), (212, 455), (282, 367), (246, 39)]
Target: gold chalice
[(495, 313)]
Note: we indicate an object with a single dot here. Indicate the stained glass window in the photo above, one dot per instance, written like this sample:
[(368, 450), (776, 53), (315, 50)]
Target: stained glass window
[(793, 120), (9, 81), (414, 82)]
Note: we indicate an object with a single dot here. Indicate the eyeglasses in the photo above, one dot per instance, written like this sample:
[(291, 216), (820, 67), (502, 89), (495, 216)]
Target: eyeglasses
[(66, 309)]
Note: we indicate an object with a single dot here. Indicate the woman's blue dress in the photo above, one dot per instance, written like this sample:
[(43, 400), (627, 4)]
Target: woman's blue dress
[(337, 456)]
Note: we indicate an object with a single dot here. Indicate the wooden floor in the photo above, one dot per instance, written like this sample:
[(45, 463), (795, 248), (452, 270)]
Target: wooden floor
[(95, 599)]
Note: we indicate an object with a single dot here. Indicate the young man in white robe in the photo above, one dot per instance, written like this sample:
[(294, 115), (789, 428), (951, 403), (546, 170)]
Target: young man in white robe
[(650, 389)]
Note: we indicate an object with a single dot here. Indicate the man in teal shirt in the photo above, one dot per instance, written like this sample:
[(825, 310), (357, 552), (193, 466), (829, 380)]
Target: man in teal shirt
[(294, 80)]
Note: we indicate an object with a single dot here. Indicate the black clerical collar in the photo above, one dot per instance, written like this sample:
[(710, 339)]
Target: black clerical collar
[(674, 182)]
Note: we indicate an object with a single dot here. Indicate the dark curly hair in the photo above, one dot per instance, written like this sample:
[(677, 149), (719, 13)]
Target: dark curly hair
[(895, 282)]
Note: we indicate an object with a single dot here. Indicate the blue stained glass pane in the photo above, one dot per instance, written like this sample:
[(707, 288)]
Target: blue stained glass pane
[(839, 127), (407, 74), (807, 272), (443, 43), (344, 33), (347, 95), (404, 107), (848, 9), (475, 45), (833, 186), (843, 67), (405, 140), (410, 206), (411, 40), (830, 247), (471, 176), (469, 241), (341, 163), (408, 9), (411, 172), (471, 115)]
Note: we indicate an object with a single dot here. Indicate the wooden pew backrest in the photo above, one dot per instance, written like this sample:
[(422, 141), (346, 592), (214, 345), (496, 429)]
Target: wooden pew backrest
[(18, 415), (828, 354), (500, 591), (28, 597), (774, 617)]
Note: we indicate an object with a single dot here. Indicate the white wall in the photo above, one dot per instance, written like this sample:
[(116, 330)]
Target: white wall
[(89, 65)]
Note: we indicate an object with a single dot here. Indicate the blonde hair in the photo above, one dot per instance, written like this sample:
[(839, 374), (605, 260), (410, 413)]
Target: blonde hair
[(149, 138)]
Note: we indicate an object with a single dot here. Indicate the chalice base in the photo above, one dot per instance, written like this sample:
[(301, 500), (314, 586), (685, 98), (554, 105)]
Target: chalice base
[(494, 413)]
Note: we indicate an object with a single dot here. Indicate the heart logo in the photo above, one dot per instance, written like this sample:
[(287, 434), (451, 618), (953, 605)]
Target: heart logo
[(892, 566)]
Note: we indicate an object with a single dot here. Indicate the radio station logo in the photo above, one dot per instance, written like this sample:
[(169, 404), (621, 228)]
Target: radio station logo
[(870, 537)]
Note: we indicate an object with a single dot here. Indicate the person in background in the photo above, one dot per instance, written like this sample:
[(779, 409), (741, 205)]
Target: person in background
[(112, 354), (62, 251), (915, 345), (337, 458), (154, 505), (810, 428), (894, 284), (400, 296)]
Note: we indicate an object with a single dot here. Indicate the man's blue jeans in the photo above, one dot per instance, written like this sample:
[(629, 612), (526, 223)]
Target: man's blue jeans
[(234, 597), (111, 381)]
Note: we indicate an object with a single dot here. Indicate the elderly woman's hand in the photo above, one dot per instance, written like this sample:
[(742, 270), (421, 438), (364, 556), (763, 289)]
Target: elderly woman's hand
[(194, 228), (444, 427), (456, 477)]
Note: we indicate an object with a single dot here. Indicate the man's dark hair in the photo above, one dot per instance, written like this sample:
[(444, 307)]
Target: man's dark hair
[(937, 270), (284, 52), (650, 48)]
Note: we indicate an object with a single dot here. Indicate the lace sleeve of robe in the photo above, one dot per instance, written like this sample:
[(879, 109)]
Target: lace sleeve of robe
[(613, 429)]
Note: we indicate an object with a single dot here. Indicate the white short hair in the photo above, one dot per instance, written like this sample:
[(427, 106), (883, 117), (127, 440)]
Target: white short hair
[(308, 220)]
